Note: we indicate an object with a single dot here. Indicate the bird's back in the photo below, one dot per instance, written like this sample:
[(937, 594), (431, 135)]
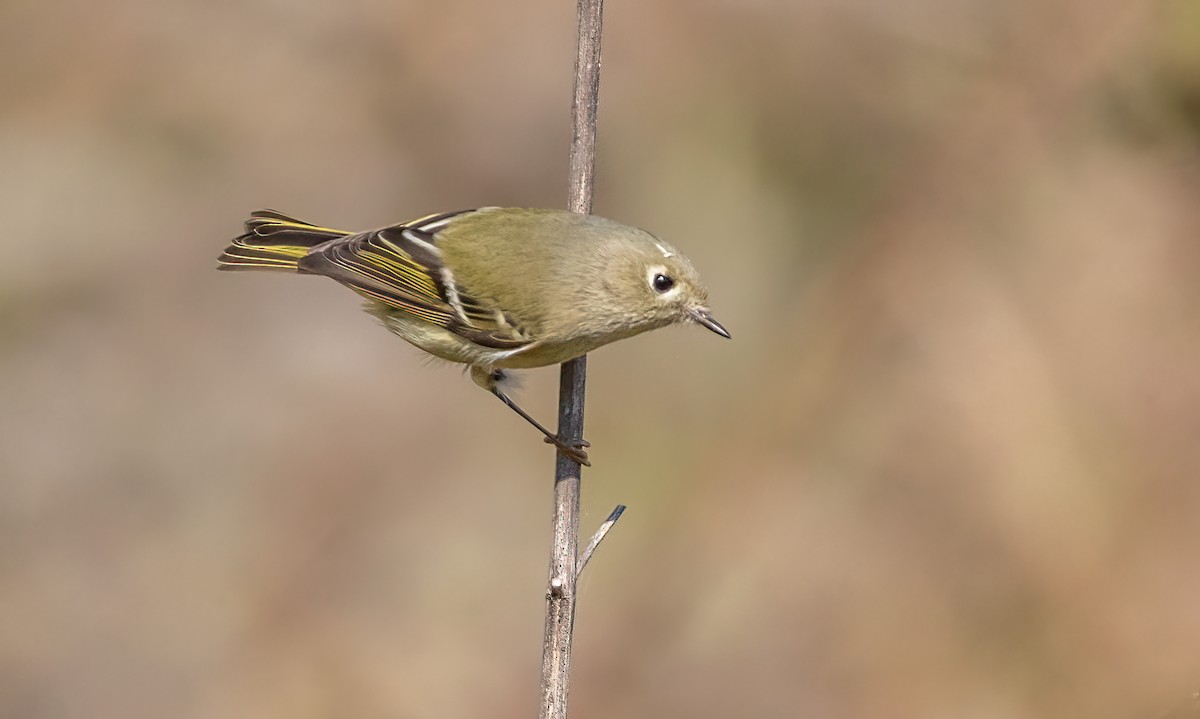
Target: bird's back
[(526, 260)]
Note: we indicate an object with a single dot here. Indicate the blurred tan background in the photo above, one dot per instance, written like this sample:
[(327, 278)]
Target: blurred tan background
[(948, 466)]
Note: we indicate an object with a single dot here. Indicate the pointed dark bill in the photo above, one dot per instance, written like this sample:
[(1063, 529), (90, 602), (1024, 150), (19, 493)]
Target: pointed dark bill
[(705, 318)]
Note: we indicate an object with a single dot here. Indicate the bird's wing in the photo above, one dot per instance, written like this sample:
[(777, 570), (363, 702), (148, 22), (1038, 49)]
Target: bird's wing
[(401, 267)]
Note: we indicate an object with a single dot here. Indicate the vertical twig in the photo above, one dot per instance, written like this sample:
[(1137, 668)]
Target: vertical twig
[(560, 595)]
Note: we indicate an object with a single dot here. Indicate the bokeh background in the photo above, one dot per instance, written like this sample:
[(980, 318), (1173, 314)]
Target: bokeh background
[(948, 466)]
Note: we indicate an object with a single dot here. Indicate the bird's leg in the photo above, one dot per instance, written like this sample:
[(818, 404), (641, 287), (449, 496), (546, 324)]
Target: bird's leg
[(573, 449), (491, 378)]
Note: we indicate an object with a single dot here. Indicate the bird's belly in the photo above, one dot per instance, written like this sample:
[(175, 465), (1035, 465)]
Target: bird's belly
[(443, 343), (544, 353), (437, 341), (547, 354)]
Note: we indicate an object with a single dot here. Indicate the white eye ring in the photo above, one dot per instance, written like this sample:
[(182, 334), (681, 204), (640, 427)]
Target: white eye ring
[(661, 281)]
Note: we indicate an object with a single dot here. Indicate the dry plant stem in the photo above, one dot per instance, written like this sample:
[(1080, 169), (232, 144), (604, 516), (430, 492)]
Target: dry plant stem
[(560, 595), (598, 537)]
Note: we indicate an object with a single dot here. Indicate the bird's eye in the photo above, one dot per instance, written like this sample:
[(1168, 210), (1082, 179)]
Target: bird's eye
[(662, 283)]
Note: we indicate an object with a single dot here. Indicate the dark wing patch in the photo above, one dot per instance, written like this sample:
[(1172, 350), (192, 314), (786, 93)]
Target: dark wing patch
[(401, 267), (384, 272)]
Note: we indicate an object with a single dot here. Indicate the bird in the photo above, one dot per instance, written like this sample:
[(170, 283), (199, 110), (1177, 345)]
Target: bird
[(496, 289)]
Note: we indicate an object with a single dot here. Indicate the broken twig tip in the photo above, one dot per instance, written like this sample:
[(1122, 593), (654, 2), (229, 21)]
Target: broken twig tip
[(613, 516)]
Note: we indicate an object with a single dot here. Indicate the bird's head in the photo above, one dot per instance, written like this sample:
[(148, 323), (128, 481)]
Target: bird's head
[(658, 284)]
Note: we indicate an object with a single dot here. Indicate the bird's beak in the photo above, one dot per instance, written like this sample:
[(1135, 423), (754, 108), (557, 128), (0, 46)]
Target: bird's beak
[(705, 318)]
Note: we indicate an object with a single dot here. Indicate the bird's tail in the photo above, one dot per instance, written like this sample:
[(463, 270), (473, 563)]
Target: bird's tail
[(273, 241)]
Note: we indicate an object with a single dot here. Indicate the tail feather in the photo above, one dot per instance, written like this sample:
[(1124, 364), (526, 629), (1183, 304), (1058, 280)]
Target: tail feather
[(274, 241)]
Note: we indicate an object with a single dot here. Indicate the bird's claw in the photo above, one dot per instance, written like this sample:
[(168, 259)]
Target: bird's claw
[(572, 448)]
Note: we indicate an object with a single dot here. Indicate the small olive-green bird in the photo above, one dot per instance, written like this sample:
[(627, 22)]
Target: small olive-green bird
[(495, 288)]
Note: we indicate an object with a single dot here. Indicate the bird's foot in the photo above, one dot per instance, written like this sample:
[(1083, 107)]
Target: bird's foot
[(571, 448)]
